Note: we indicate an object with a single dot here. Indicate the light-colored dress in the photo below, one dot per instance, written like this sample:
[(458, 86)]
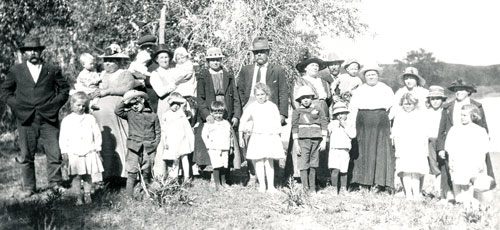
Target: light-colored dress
[(265, 140), (114, 129), (467, 146), (177, 135), (217, 139), (411, 141), (346, 83), (80, 138), (340, 144)]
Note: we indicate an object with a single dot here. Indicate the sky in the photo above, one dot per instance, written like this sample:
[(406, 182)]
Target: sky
[(459, 32)]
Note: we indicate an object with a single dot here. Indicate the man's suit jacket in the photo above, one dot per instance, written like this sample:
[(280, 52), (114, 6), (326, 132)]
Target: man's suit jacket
[(26, 97), (206, 94), (275, 79), (447, 121)]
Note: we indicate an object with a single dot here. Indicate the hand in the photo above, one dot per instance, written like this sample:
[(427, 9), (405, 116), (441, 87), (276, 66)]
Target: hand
[(234, 122), (210, 119), (296, 147), (322, 145), (442, 154), (283, 120), (241, 140), (64, 158)]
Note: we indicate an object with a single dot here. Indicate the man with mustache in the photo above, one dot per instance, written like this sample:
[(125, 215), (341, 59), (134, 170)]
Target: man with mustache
[(35, 91), (262, 71)]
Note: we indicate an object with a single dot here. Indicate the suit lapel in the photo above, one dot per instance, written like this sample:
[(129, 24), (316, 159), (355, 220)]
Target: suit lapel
[(225, 80)]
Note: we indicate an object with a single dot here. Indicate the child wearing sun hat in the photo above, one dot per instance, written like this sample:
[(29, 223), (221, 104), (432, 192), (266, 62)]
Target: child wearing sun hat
[(341, 132)]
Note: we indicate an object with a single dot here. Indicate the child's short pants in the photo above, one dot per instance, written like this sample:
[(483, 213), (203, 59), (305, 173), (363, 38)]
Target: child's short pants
[(219, 158), (309, 153), (136, 161)]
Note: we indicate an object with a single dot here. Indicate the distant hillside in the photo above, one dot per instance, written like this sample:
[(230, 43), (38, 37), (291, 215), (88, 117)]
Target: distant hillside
[(446, 73)]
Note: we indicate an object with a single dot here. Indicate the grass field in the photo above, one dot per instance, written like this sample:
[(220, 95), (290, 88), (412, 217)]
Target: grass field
[(239, 207)]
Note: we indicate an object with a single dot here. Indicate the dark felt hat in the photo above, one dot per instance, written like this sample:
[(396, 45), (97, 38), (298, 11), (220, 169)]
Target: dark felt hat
[(461, 84), (303, 64), (147, 40), (162, 48), (260, 43), (32, 43)]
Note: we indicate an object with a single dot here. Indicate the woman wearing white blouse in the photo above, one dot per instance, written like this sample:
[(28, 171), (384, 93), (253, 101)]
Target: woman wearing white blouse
[(374, 162)]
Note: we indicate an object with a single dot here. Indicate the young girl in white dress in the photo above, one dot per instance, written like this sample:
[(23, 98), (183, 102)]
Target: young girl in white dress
[(265, 144), (178, 137), (467, 144), (411, 142), (80, 143)]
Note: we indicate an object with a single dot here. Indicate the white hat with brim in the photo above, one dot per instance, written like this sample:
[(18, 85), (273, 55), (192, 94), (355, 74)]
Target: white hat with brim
[(436, 92), (411, 71), (213, 53), (339, 107), (304, 91), (349, 62), (332, 59), (373, 67), (134, 94)]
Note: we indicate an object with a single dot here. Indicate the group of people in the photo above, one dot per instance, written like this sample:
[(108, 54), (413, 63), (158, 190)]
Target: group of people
[(150, 118)]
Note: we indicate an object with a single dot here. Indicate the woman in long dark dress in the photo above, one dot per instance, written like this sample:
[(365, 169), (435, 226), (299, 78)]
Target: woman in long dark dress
[(374, 164)]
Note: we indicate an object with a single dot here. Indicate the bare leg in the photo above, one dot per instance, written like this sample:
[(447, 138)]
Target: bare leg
[(407, 186), (269, 165), (185, 167), (259, 170)]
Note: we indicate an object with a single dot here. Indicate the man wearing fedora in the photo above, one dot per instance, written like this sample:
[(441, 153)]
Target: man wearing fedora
[(333, 62), (36, 91), (147, 43), (272, 75), (262, 71)]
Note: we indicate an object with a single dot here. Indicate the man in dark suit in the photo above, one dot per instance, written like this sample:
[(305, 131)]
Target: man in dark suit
[(272, 75), (36, 91)]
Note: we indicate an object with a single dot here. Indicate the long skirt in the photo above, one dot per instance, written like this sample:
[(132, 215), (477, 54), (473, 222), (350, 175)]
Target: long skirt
[(374, 164), (114, 132)]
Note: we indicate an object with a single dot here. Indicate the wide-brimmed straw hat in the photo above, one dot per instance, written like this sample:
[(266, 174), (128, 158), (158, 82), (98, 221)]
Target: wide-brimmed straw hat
[(260, 43), (304, 91), (461, 84), (114, 51), (303, 64), (369, 67), (436, 91), (214, 52), (162, 48), (32, 43), (131, 94), (351, 61), (331, 59), (339, 107), (411, 71)]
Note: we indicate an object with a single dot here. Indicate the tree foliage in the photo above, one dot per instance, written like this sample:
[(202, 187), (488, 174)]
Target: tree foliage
[(70, 27)]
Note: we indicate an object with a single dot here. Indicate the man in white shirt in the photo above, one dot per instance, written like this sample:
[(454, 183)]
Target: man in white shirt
[(35, 91)]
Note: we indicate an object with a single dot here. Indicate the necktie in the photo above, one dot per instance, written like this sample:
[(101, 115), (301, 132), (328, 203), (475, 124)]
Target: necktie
[(258, 74)]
